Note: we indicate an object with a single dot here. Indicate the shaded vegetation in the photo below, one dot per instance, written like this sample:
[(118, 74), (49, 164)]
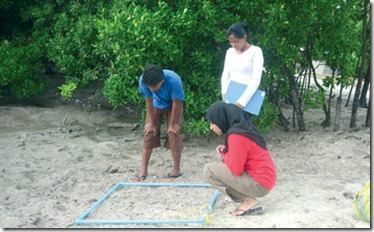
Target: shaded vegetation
[(110, 42)]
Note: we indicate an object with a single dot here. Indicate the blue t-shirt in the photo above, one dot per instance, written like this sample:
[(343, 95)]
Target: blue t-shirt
[(172, 88)]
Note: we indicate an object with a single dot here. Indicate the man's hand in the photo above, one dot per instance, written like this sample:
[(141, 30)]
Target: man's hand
[(175, 117), (149, 127), (174, 128)]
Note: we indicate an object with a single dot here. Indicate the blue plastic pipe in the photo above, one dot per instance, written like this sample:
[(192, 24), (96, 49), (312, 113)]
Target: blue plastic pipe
[(99, 202), (81, 220)]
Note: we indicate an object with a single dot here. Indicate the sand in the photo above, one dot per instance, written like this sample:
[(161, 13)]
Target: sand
[(57, 161)]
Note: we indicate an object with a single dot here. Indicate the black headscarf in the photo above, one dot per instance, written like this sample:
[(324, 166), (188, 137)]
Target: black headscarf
[(231, 119)]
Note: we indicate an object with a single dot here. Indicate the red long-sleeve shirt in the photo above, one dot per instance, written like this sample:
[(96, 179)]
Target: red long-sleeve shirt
[(244, 155)]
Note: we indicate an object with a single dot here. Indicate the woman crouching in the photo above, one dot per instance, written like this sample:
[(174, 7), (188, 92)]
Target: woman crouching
[(247, 170)]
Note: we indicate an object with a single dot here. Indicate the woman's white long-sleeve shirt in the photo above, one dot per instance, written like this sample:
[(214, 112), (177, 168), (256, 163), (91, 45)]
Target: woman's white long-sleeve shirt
[(245, 68)]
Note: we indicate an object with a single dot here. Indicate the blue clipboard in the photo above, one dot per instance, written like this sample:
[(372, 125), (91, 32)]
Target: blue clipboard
[(235, 90)]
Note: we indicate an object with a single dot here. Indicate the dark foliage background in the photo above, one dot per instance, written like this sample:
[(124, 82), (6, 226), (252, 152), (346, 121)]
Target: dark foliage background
[(110, 42)]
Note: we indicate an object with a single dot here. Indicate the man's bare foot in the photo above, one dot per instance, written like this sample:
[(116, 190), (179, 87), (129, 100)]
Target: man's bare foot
[(174, 173), (139, 178), (174, 176)]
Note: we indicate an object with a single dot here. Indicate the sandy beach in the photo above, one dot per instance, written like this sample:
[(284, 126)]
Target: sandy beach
[(57, 161)]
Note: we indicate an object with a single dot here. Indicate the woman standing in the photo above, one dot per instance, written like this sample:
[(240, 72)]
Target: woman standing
[(247, 169), (243, 63)]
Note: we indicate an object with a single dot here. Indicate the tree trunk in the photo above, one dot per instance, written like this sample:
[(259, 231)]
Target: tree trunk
[(295, 98), (361, 71), (325, 107), (353, 83), (368, 114), (275, 100), (284, 122), (327, 110), (338, 109), (365, 89), (350, 93), (338, 113)]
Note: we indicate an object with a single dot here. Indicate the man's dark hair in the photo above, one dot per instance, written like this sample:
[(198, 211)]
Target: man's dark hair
[(152, 75)]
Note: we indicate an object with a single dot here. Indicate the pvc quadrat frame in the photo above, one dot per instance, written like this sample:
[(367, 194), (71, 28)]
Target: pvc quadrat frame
[(83, 221)]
